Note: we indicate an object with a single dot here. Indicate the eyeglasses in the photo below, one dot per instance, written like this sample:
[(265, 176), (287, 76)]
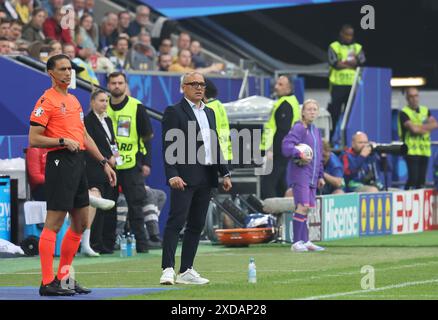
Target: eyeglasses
[(196, 84)]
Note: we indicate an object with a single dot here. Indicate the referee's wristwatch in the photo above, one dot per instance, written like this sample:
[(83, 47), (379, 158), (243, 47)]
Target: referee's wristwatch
[(103, 162), (61, 142)]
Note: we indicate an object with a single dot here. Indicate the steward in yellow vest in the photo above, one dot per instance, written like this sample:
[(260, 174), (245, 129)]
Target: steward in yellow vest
[(222, 124), (344, 56), (414, 127), (133, 132), (285, 113)]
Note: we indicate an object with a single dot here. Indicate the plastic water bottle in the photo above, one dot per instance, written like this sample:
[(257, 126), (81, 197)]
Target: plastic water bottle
[(129, 246), (252, 273), (133, 245), (123, 247)]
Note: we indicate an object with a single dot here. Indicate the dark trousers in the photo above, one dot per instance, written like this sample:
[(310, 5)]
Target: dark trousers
[(103, 229), (189, 206), (339, 96), (132, 182), (274, 184), (417, 168)]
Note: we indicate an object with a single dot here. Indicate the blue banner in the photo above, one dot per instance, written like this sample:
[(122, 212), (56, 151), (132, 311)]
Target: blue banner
[(5, 208), (375, 214), (178, 9)]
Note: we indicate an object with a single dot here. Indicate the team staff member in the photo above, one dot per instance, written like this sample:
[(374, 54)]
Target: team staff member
[(285, 113), (190, 183), (103, 228), (133, 131), (307, 176), (57, 124), (344, 56), (414, 125), (222, 124)]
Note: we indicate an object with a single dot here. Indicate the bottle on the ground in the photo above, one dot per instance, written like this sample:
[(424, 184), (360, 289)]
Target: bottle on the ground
[(252, 273)]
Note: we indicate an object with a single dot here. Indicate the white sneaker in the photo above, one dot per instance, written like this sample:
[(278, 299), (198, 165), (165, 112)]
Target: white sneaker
[(313, 247), (299, 247), (89, 252), (168, 276), (191, 277), (101, 203)]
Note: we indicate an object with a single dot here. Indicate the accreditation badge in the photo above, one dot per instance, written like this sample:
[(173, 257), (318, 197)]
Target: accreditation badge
[(123, 126), (116, 154)]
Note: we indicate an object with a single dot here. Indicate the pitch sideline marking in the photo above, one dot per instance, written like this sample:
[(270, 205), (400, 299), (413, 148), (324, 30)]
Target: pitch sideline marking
[(394, 286)]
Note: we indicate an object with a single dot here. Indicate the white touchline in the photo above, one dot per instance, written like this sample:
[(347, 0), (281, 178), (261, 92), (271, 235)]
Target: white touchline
[(394, 286)]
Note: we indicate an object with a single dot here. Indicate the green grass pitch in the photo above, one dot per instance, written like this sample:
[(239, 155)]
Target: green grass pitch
[(405, 267)]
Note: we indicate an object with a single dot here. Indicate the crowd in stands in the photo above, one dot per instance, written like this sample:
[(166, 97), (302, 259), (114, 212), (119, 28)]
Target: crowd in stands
[(121, 41)]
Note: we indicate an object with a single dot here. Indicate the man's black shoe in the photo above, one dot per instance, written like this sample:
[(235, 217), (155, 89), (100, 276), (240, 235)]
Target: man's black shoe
[(102, 249), (154, 244), (54, 289), (142, 249), (77, 288)]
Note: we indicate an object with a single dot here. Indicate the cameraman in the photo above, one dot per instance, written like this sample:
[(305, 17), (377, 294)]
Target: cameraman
[(362, 171)]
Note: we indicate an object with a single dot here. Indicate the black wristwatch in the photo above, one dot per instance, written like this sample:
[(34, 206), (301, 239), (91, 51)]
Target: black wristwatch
[(103, 162), (61, 142)]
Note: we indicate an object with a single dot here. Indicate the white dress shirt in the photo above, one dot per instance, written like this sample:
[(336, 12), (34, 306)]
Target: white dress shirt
[(202, 119)]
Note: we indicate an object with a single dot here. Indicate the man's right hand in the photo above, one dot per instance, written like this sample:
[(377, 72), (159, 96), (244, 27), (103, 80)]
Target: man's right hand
[(72, 145), (366, 151), (177, 183)]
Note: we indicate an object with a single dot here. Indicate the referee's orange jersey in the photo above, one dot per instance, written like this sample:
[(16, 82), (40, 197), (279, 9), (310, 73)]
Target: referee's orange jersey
[(61, 115)]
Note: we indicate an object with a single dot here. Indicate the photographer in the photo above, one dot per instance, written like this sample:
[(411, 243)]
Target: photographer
[(362, 171), (333, 171)]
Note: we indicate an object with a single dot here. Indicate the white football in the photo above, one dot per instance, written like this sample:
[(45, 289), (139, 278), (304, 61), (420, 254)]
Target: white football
[(306, 150)]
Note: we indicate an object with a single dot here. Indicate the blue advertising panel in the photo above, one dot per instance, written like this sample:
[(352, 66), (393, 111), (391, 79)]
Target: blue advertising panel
[(375, 214), (5, 208), (178, 9)]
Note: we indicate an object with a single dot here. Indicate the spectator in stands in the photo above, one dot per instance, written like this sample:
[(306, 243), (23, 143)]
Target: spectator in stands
[(141, 23), (198, 59), (344, 56), (415, 125), (119, 55), (5, 26), (24, 10), (79, 7), (333, 171), (285, 113), (53, 30), (100, 128), (87, 73), (33, 31), (184, 64), (362, 169), (183, 42), (164, 62), (55, 48), (124, 21), (8, 9), (89, 7), (15, 30), (87, 36), (52, 5), (36, 166), (165, 46), (107, 34), (141, 57), (5, 46)]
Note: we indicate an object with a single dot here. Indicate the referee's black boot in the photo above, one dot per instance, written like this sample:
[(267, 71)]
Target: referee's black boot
[(76, 287), (54, 289)]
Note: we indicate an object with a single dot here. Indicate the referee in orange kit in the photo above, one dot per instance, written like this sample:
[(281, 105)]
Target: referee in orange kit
[(57, 123)]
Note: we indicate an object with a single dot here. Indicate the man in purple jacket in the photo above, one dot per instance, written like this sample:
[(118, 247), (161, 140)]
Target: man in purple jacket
[(305, 176)]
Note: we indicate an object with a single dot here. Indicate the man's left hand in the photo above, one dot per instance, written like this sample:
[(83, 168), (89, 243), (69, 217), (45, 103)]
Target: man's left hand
[(227, 184), (146, 170), (112, 178)]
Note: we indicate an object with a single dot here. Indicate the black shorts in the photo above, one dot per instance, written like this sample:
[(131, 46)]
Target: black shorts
[(66, 180)]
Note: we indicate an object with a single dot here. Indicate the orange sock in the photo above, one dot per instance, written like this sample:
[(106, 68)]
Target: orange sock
[(47, 251), (69, 247)]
